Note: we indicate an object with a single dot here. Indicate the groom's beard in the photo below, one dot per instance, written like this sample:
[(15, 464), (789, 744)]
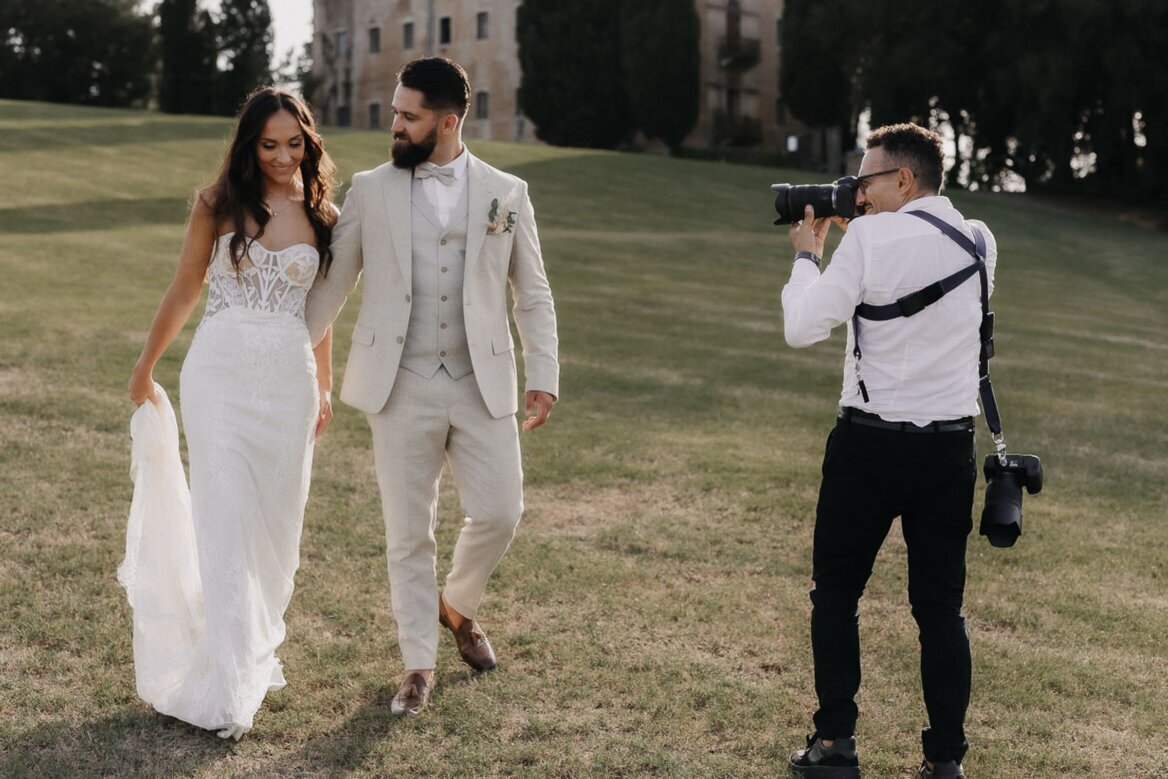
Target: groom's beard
[(407, 154)]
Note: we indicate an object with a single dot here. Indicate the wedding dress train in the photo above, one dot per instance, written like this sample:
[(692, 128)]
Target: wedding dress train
[(209, 571)]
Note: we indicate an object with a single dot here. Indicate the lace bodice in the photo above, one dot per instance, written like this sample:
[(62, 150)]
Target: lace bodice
[(272, 282)]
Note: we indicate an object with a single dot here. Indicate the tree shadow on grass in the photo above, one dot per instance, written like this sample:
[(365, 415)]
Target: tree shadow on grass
[(346, 748), (117, 132), (133, 742), (93, 215)]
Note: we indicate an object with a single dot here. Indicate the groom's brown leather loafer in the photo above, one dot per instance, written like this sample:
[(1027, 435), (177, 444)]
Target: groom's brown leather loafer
[(473, 646), (411, 697)]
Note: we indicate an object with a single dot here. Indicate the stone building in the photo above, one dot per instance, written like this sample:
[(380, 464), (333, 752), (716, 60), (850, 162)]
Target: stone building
[(358, 45)]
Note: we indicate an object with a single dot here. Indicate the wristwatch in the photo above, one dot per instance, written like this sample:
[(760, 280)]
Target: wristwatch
[(806, 255)]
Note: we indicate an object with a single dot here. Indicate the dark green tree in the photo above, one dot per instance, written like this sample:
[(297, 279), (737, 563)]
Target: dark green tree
[(573, 84), (1070, 95), (1073, 91), (1151, 63), (661, 67), (187, 36), (99, 52), (244, 42), (817, 57)]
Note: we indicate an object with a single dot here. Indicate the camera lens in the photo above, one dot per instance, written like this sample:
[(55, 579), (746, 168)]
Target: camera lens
[(1001, 519), (792, 199)]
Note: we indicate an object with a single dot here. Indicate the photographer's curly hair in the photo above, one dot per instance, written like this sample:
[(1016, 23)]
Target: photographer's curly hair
[(914, 147), (238, 189)]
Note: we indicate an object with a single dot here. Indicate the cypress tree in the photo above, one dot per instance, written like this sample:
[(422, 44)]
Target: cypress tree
[(188, 58), (660, 39), (573, 84), (817, 58), (244, 37)]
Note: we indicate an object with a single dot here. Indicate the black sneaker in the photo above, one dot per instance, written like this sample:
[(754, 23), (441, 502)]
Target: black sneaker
[(947, 769), (838, 761)]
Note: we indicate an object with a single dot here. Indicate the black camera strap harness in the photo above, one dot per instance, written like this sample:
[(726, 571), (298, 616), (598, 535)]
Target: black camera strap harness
[(915, 302)]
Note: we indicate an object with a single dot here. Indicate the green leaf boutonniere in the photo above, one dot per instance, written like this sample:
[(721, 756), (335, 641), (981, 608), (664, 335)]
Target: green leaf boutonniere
[(498, 223)]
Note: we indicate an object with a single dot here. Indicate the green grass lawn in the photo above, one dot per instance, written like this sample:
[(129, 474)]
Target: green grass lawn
[(652, 616)]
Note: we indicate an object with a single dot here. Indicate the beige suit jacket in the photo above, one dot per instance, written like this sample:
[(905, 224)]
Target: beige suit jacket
[(372, 237)]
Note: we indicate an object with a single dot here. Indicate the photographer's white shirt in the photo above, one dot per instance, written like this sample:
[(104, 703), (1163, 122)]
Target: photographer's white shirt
[(918, 369)]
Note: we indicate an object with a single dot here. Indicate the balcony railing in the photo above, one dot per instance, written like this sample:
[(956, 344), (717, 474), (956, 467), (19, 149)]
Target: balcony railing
[(738, 53), (736, 130)]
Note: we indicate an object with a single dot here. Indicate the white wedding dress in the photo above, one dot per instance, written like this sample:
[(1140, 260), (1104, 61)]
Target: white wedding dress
[(209, 573)]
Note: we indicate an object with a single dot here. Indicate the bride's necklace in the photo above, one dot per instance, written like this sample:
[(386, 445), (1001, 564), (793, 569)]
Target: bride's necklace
[(287, 201)]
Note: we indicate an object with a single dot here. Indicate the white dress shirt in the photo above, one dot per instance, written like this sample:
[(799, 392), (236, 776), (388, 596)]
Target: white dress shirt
[(447, 197), (918, 369)]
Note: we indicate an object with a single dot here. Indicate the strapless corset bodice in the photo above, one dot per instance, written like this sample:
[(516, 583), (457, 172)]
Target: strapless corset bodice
[(274, 282)]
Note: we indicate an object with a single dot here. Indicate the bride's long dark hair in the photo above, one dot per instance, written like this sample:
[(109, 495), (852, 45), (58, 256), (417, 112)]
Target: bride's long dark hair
[(238, 189)]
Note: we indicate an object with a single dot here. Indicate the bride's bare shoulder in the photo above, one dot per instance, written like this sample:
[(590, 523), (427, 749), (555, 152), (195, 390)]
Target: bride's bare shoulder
[(206, 198), (205, 210), (202, 216)]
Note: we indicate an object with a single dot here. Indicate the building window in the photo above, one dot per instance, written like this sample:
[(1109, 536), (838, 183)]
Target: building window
[(482, 105), (375, 115), (344, 118), (374, 40), (408, 35), (444, 30), (343, 50), (482, 24)]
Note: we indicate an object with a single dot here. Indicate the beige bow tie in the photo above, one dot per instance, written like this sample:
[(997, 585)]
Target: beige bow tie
[(430, 170)]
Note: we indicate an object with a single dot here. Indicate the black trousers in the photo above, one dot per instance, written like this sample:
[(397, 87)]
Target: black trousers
[(870, 477)]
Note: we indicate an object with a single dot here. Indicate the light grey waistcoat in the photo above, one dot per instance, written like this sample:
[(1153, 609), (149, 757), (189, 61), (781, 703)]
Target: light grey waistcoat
[(436, 336)]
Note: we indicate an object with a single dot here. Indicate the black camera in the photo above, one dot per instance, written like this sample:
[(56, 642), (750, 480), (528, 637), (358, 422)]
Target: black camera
[(836, 199), (1001, 519)]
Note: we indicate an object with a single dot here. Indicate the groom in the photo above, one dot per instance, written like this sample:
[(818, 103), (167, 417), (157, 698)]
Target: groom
[(440, 235)]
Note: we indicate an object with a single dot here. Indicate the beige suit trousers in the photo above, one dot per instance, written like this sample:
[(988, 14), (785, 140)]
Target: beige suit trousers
[(425, 424)]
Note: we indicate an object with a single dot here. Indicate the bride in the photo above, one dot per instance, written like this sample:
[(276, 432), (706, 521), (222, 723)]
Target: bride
[(209, 602)]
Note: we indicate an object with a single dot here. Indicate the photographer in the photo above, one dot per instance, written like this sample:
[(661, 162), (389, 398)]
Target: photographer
[(903, 443)]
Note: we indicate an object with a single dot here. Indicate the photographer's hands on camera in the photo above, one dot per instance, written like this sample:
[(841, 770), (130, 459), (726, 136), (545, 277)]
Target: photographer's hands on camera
[(809, 234)]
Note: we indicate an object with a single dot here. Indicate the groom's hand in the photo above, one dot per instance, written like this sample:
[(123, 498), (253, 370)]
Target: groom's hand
[(539, 408)]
